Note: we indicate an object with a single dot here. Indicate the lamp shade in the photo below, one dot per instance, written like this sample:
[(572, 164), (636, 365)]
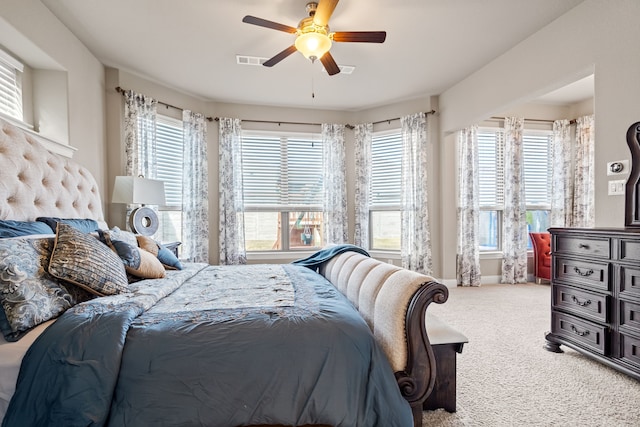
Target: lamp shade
[(137, 190), (313, 44)]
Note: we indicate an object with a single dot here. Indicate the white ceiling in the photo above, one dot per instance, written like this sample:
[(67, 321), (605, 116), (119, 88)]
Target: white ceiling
[(191, 45)]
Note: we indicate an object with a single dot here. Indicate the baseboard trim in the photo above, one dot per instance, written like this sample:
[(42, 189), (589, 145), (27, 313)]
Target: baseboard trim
[(484, 280)]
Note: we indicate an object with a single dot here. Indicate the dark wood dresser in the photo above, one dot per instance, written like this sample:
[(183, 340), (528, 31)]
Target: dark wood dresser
[(595, 295)]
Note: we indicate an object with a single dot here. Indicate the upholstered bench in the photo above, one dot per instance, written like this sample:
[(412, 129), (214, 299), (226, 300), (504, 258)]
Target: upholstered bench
[(445, 342)]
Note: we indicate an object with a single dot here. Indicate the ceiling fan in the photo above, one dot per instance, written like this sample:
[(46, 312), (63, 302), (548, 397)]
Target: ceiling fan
[(313, 38)]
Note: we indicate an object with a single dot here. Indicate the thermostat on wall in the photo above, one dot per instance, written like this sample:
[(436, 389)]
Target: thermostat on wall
[(619, 167)]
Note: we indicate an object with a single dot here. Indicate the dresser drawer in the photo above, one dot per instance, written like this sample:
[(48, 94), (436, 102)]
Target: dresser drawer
[(583, 303), (630, 349), (599, 247), (629, 250), (630, 315), (629, 285), (580, 331), (586, 273)]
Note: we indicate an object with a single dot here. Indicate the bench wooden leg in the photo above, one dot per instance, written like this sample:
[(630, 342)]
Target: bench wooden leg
[(444, 390)]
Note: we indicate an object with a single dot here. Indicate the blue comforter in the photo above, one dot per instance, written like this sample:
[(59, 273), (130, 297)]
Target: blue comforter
[(214, 346)]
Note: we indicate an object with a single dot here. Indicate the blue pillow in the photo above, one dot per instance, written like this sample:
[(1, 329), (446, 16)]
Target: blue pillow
[(84, 225), (168, 258), (10, 228)]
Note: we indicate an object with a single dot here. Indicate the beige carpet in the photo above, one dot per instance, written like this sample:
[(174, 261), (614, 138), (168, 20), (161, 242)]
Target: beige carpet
[(506, 378)]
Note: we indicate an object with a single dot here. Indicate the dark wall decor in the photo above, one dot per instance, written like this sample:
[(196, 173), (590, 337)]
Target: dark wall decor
[(632, 198)]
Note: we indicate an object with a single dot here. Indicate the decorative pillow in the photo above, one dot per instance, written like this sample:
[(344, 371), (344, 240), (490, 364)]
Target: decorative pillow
[(169, 259), (9, 228), (124, 236), (137, 262), (83, 260), (84, 225), (148, 244), (28, 294)]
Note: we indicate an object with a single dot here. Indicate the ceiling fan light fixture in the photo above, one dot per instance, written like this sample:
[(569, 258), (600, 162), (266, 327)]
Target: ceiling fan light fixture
[(313, 44)]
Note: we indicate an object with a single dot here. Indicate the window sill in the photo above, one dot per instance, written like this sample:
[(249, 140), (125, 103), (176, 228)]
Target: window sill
[(498, 254), (278, 255)]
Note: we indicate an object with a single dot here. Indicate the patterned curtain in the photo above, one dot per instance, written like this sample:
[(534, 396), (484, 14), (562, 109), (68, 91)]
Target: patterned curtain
[(195, 192), (468, 253), (415, 243), (139, 137), (584, 183), (514, 222), (363, 134), (561, 176), (140, 134), (232, 250), (334, 209)]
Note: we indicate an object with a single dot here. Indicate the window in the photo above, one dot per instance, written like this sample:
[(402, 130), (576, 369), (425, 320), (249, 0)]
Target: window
[(537, 183), (282, 190), (386, 187), (10, 86), (169, 147)]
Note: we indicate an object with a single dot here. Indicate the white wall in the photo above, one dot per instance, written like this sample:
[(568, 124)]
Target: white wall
[(597, 36)]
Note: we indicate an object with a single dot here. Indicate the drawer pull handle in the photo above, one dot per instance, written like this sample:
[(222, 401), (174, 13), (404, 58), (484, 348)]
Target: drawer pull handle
[(580, 303), (583, 246), (587, 273), (579, 333)]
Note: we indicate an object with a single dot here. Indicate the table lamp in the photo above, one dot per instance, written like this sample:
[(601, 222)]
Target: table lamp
[(142, 191)]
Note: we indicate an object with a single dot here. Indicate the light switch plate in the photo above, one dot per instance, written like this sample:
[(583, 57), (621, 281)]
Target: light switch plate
[(616, 187)]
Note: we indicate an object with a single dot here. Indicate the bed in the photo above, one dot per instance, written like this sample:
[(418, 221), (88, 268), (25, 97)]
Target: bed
[(95, 333)]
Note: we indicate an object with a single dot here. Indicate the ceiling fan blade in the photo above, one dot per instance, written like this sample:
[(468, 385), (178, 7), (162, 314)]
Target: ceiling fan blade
[(279, 57), (268, 24), (360, 36), (329, 64), (324, 11)]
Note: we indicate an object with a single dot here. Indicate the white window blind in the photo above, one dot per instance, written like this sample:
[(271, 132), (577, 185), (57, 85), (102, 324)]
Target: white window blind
[(537, 169), (169, 148), (386, 170), (282, 172), (536, 164), (490, 168), (10, 86)]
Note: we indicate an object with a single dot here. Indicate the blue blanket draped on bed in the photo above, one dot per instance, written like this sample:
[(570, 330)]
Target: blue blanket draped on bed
[(196, 354), (315, 260)]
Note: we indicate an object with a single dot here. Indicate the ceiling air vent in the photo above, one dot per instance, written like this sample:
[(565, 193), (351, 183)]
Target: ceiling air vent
[(255, 60), (344, 69), (250, 60)]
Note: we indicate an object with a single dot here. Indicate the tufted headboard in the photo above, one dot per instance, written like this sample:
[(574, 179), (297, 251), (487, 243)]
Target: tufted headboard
[(35, 182)]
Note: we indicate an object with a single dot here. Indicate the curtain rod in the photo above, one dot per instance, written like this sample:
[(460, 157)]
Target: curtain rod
[(398, 118), (571, 122), (122, 91), (348, 126), (280, 122)]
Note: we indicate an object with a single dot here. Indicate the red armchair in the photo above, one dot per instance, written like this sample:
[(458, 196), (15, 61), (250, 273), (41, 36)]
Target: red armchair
[(541, 255)]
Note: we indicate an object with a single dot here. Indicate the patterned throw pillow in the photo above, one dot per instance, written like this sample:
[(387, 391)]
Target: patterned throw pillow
[(83, 260), (28, 294)]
